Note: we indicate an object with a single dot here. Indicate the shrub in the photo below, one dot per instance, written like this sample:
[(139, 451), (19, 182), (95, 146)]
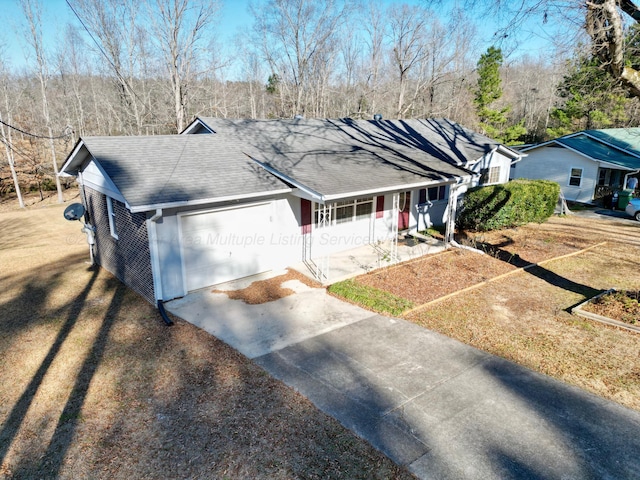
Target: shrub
[(509, 205)]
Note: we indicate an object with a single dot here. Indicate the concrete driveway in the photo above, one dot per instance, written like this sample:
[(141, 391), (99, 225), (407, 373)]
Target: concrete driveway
[(443, 409)]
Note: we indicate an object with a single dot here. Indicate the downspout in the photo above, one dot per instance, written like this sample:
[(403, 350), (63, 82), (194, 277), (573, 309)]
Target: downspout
[(88, 229), (157, 278)]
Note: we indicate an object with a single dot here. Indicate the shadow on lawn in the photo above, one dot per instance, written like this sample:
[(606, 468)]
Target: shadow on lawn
[(38, 293), (63, 435), (536, 270)]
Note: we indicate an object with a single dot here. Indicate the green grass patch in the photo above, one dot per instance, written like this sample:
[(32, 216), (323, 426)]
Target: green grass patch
[(370, 297), (435, 231)]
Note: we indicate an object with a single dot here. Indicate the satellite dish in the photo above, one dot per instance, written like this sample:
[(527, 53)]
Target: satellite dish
[(75, 211)]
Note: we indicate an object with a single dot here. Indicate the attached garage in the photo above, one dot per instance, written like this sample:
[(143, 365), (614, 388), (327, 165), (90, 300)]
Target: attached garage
[(223, 245)]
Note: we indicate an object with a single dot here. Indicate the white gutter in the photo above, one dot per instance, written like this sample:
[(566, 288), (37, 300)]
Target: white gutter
[(189, 203), (395, 188)]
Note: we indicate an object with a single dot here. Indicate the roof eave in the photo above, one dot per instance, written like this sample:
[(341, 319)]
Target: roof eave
[(394, 188), (204, 201), (66, 170)]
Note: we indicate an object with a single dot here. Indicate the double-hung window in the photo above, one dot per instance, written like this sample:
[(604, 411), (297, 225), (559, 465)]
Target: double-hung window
[(575, 178), (432, 194), (111, 213), (490, 175)]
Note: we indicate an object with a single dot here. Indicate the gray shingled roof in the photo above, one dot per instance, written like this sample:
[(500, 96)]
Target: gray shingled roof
[(176, 169), (327, 158), (336, 157)]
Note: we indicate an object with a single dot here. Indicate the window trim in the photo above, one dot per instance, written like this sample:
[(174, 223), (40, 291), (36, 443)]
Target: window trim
[(111, 214), (441, 193), (345, 204), (489, 173), (571, 176)]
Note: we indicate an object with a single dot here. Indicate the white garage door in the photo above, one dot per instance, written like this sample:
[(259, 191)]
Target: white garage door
[(226, 244)]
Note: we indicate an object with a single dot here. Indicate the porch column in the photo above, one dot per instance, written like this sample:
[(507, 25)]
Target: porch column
[(395, 213)]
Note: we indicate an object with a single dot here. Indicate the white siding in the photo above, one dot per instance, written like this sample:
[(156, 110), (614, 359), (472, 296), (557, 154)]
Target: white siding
[(93, 178), (555, 164), (493, 160)]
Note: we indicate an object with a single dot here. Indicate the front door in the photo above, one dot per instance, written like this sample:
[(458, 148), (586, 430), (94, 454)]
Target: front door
[(404, 208)]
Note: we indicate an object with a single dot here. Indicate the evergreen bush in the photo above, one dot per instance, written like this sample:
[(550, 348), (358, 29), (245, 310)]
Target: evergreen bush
[(503, 206)]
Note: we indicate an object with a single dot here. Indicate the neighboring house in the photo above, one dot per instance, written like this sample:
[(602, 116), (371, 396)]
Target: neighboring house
[(182, 212), (588, 165)]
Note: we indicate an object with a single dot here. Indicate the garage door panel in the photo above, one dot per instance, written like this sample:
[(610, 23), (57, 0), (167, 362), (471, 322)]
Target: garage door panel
[(225, 245)]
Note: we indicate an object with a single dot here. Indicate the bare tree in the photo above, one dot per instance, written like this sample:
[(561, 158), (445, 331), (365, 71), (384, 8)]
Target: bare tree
[(179, 26), (603, 20), (114, 26), (292, 33), (33, 13), (408, 33), (6, 133), (374, 26)]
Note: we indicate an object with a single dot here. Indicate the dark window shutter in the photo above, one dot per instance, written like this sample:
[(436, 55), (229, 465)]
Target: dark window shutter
[(305, 214), (380, 206), (423, 196)]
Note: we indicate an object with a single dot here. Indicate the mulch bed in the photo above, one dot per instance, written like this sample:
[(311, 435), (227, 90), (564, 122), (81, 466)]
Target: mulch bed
[(434, 276), (621, 306)]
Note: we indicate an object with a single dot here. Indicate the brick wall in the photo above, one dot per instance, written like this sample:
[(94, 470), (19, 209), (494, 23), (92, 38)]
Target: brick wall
[(128, 257)]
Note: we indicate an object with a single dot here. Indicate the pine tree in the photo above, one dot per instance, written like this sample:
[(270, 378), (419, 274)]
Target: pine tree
[(494, 122)]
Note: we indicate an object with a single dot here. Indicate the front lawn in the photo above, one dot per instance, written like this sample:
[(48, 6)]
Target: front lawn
[(524, 315), (94, 385)]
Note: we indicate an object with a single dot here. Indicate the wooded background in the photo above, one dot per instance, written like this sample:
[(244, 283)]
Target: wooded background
[(138, 67)]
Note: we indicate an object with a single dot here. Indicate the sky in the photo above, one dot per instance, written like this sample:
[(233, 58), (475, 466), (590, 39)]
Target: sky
[(234, 18), (57, 15)]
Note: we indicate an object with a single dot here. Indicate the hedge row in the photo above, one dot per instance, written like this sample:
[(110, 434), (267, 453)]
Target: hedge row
[(509, 205)]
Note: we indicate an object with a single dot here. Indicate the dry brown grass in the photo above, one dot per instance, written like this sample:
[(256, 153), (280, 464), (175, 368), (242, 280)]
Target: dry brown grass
[(93, 385), (9, 202), (525, 317)]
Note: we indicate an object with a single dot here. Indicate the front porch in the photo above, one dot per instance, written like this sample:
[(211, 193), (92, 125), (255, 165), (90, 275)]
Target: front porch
[(351, 263)]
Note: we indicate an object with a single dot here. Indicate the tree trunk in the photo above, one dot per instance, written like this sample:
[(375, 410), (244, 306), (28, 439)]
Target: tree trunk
[(35, 25), (6, 139)]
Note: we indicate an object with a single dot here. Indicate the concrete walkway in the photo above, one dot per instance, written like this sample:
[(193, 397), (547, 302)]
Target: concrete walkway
[(443, 409)]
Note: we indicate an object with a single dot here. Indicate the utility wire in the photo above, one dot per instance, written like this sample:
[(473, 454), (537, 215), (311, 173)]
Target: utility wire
[(15, 150), (104, 54), (66, 133)]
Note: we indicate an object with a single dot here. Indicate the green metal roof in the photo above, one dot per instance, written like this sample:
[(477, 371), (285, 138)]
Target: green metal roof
[(625, 138), (598, 150)]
